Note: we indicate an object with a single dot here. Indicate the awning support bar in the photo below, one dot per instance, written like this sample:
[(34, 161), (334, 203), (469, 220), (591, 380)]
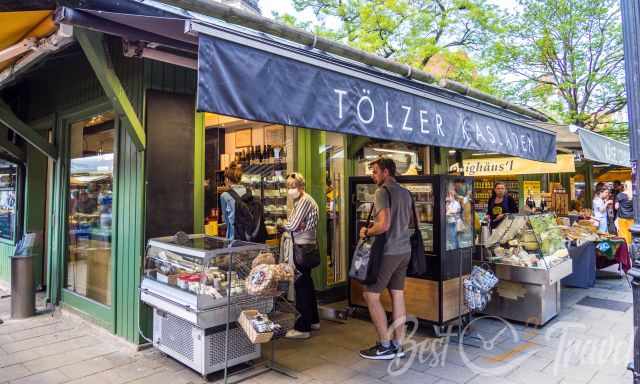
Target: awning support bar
[(30, 135), (11, 148), (92, 44)]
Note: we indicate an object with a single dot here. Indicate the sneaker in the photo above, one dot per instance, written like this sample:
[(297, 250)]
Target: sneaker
[(378, 352), (315, 327), (399, 352), (294, 334)]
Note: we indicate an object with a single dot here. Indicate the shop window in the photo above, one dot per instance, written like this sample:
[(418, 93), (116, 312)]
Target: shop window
[(459, 214), (8, 202), (90, 217)]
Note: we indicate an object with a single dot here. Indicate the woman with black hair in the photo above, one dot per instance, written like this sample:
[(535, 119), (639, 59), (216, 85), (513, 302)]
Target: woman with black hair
[(500, 204)]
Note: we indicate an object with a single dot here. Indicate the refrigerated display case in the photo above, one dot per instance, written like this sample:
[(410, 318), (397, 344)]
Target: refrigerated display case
[(445, 212), (196, 287), (529, 256)]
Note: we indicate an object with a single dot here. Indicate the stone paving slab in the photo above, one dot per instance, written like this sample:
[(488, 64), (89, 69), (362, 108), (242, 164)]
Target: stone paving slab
[(62, 348)]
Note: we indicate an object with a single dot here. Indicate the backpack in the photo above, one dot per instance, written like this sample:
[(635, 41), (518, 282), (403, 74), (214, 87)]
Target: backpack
[(249, 218)]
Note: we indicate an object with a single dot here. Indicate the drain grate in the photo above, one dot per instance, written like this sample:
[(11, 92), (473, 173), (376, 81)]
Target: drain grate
[(613, 305)]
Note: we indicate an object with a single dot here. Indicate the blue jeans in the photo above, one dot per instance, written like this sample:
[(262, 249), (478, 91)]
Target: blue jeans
[(452, 236)]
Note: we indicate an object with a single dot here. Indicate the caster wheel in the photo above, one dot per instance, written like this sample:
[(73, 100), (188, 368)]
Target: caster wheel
[(439, 331)]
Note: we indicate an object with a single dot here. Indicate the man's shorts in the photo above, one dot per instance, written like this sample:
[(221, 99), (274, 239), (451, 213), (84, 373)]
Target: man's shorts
[(393, 272)]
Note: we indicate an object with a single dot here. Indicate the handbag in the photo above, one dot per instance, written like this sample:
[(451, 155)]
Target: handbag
[(305, 256), (418, 263), (367, 257)]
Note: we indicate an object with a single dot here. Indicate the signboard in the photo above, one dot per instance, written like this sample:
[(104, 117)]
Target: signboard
[(531, 187), (302, 91), (500, 166), (604, 150)]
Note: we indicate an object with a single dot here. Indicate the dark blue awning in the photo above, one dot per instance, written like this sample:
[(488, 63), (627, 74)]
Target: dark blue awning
[(271, 86)]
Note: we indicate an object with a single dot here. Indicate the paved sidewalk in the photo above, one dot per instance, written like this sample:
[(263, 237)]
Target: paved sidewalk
[(594, 349)]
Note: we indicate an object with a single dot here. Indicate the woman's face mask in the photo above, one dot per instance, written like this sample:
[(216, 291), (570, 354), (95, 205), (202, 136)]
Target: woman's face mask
[(293, 193)]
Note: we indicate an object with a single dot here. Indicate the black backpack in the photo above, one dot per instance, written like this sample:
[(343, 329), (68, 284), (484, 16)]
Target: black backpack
[(249, 218)]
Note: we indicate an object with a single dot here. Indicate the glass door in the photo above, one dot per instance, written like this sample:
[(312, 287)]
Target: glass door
[(423, 196), (89, 259), (335, 207)]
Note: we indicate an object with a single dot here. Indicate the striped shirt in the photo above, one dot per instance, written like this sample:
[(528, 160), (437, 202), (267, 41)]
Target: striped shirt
[(303, 220)]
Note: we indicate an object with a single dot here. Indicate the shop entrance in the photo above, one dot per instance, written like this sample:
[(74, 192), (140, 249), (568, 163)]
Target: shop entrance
[(266, 153), (88, 251)]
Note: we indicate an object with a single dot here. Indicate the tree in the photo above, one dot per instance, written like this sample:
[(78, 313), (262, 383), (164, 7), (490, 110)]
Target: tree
[(565, 57), (412, 31)]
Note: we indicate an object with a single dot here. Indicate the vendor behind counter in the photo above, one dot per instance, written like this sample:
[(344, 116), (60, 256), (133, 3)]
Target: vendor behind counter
[(500, 204)]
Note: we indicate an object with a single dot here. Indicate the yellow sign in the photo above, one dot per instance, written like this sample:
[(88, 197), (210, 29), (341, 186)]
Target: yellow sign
[(531, 188), (496, 166)]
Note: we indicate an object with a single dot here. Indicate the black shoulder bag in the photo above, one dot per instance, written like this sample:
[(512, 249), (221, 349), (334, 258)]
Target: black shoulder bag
[(305, 256)]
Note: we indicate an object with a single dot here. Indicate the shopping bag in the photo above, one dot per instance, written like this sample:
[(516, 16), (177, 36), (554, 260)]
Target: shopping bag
[(365, 264)]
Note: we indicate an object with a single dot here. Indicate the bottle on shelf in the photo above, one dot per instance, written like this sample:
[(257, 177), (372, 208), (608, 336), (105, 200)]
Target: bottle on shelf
[(258, 155)]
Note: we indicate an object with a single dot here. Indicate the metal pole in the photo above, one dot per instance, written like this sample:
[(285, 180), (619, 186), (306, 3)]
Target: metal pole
[(630, 10)]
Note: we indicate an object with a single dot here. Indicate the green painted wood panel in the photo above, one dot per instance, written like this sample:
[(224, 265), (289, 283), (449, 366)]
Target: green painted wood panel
[(309, 142), (34, 205), (129, 247), (130, 236), (198, 174), (6, 250)]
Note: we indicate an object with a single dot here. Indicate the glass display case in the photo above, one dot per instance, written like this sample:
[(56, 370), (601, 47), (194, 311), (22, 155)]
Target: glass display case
[(529, 256), (197, 285), (201, 272), (445, 212), (531, 241)]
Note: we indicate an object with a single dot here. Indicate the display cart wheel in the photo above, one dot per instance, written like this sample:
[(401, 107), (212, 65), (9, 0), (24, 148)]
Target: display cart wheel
[(440, 331)]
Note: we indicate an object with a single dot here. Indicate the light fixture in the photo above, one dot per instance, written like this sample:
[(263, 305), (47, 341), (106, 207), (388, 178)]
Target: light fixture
[(484, 153), (452, 151)]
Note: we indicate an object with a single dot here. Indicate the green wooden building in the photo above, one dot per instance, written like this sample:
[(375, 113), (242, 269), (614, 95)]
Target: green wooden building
[(102, 148)]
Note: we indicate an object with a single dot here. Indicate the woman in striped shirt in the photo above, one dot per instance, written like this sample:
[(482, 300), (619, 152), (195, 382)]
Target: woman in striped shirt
[(302, 223)]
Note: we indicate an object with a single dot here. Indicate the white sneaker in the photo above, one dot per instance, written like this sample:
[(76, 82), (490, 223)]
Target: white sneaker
[(315, 327), (293, 334)]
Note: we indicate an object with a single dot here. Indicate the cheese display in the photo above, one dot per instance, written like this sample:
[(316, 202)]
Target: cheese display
[(534, 241)]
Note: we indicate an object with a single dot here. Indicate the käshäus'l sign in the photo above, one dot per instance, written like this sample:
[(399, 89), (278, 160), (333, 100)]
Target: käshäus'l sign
[(252, 84)]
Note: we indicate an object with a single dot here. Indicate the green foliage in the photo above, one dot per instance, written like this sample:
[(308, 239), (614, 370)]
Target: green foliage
[(565, 57), (411, 31)]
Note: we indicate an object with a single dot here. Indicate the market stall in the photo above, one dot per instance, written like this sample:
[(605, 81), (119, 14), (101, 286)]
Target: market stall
[(528, 255), (591, 251)]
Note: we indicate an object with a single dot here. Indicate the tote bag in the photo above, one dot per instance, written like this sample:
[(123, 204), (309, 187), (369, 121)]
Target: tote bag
[(366, 260)]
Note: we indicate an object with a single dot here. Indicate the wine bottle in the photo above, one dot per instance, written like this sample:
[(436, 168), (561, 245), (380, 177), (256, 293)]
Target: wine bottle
[(258, 155)]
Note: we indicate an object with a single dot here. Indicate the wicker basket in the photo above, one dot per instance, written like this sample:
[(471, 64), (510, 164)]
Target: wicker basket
[(254, 336)]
